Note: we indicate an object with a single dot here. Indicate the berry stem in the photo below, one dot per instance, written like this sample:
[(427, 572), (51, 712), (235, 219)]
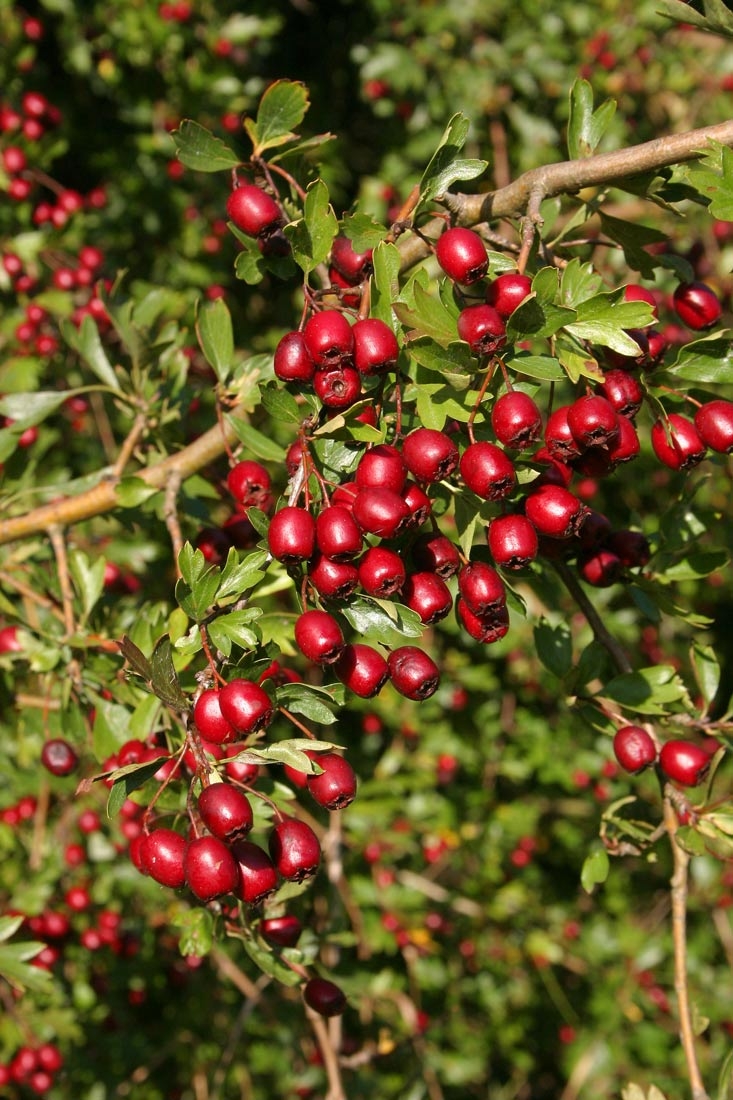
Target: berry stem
[(601, 634)]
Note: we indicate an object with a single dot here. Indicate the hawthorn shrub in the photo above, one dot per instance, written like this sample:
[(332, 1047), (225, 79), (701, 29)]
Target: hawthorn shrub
[(364, 554)]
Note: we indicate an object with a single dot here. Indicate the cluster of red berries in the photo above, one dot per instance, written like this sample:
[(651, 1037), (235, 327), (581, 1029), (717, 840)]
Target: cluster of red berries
[(33, 1067), (683, 762)]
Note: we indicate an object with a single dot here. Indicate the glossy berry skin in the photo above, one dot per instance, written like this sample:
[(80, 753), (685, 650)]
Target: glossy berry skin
[(318, 636), (381, 467), (209, 720), (684, 762), (354, 266), (429, 455), (697, 305), (508, 291), (462, 255), (626, 445), (58, 757), (292, 361), (324, 997), (249, 483), (634, 748), (329, 338), (225, 811), (335, 787), (512, 541), (714, 424), (257, 874), (593, 421), (382, 512), (487, 628), (337, 387), (375, 346), (382, 572), (516, 420), (281, 931), (487, 470), (419, 504), (600, 568), (631, 547), (559, 438), (246, 706), (412, 672), (211, 869), (436, 553), (162, 857), (253, 211), (555, 512), (337, 533), (362, 669), (291, 536), (622, 391), (481, 588), (428, 595), (635, 293), (295, 849), (334, 580), (677, 443), (482, 329)]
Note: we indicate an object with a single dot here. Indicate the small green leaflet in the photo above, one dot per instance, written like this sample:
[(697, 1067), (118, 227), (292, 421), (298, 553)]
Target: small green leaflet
[(446, 167), (214, 332), (128, 779), (707, 362), (586, 127), (363, 231), (312, 235), (713, 176), (554, 647), (595, 869), (198, 148), (282, 107), (717, 18), (86, 342)]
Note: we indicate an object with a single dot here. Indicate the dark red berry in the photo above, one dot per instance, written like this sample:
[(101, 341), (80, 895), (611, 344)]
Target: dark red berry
[(429, 455), (293, 362), (291, 536), (381, 572), (375, 346), (631, 547), (209, 720), (337, 533), (462, 255), (337, 387), (295, 849), (684, 762), (635, 293), (257, 873), (324, 997), (246, 706), (481, 588), (354, 266), (626, 445), (281, 931), (161, 856), (697, 305), (419, 504), (482, 329), (436, 553), (508, 291), (413, 672), (487, 470), (58, 757), (382, 467), (512, 541), (554, 511), (253, 211), (381, 512), (329, 338), (516, 420), (249, 483), (334, 580), (335, 786), (487, 628), (318, 636), (558, 436), (225, 811), (676, 442), (211, 869), (428, 595), (714, 423), (362, 669), (600, 568), (634, 748), (593, 421), (622, 391)]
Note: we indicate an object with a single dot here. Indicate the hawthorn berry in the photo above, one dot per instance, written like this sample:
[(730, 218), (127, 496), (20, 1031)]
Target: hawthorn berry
[(318, 636), (481, 588), (337, 387), (211, 869), (381, 467), (380, 511), (486, 628), (413, 672), (684, 762), (362, 669), (58, 757), (482, 329), (462, 255), (281, 931), (436, 553), (487, 470), (352, 265), (335, 786), (382, 572), (697, 305), (253, 211), (324, 997), (429, 455), (516, 420), (593, 421), (209, 720), (428, 595), (225, 811), (512, 541), (329, 338), (257, 874), (161, 854), (714, 424), (508, 291), (246, 706), (295, 849), (600, 568), (292, 361), (334, 580), (634, 748), (375, 346), (676, 442), (554, 511), (249, 483), (291, 536)]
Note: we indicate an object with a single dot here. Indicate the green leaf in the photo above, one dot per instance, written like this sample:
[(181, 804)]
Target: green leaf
[(291, 752), (198, 598), (31, 408), (313, 703), (713, 176), (453, 361), (445, 166), (586, 127), (595, 869), (86, 342), (380, 617), (578, 282), (633, 238), (604, 318), (256, 442), (542, 367), (128, 779), (237, 577), (214, 332), (537, 317), (707, 671), (283, 106), (88, 579), (235, 629), (554, 646), (385, 281), (312, 235), (725, 1076), (251, 265), (136, 659), (196, 930), (15, 967), (718, 19), (198, 148), (164, 680), (270, 964), (698, 564), (426, 315), (363, 231), (9, 926), (131, 492), (647, 690), (280, 404), (708, 361)]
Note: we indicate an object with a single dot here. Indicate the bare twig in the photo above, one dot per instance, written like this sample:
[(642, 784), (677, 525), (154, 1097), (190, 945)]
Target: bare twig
[(170, 514), (609, 643), (58, 542), (329, 1055)]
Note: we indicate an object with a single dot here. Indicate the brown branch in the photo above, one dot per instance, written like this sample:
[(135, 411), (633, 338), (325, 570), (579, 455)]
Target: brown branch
[(329, 1055), (678, 892), (103, 497), (58, 542), (609, 643)]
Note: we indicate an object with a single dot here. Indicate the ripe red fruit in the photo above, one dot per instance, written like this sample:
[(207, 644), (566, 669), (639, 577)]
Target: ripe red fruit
[(211, 869), (9, 641), (508, 291), (354, 266), (482, 328), (291, 535), (481, 588), (634, 748), (375, 346), (600, 568), (381, 572), (684, 762), (593, 421), (676, 442), (337, 533), (622, 391), (246, 706), (295, 849), (249, 483), (429, 455), (486, 628), (627, 444), (362, 669), (555, 512), (462, 255), (697, 305), (338, 386), (225, 811), (558, 436), (335, 786), (209, 720), (635, 293), (487, 470), (257, 873), (292, 361), (631, 547), (161, 854), (512, 541), (334, 580), (413, 672), (381, 512), (324, 997), (516, 420), (253, 211), (318, 636), (428, 595), (435, 553), (714, 423), (419, 504), (329, 338), (58, 757), (381, 467), (281, 931)]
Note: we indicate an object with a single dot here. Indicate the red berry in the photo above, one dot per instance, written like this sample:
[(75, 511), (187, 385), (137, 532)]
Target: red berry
[(481, 588), (462, 255), (335, 786), (635, 293), (281, 931), (488, 471), (253, 211), (428, 595), (559, 438), (512, 541), (381, 512), (554, 511), (161, 857), (337, 387), (318, 636), (329, 338), (593, 421), (600, 568), (209, 720), (354, 266), (295, 849), (324, 997), (337, 533), (634, 748), (362, 669), (412, 672), (622, 391), (429, 455), (482, 329), (697, 305), (508, 291), (382, 572), (435, 553), (334, 580), (382, 467), (291, 535), (211, 869), (684, 762), (249, 483), (292, 361), (225, 811), (257, 873), (516, 420), (58, 757), (714, 423), (375, 346), (676, 443), (246, 706), (486, 628)]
